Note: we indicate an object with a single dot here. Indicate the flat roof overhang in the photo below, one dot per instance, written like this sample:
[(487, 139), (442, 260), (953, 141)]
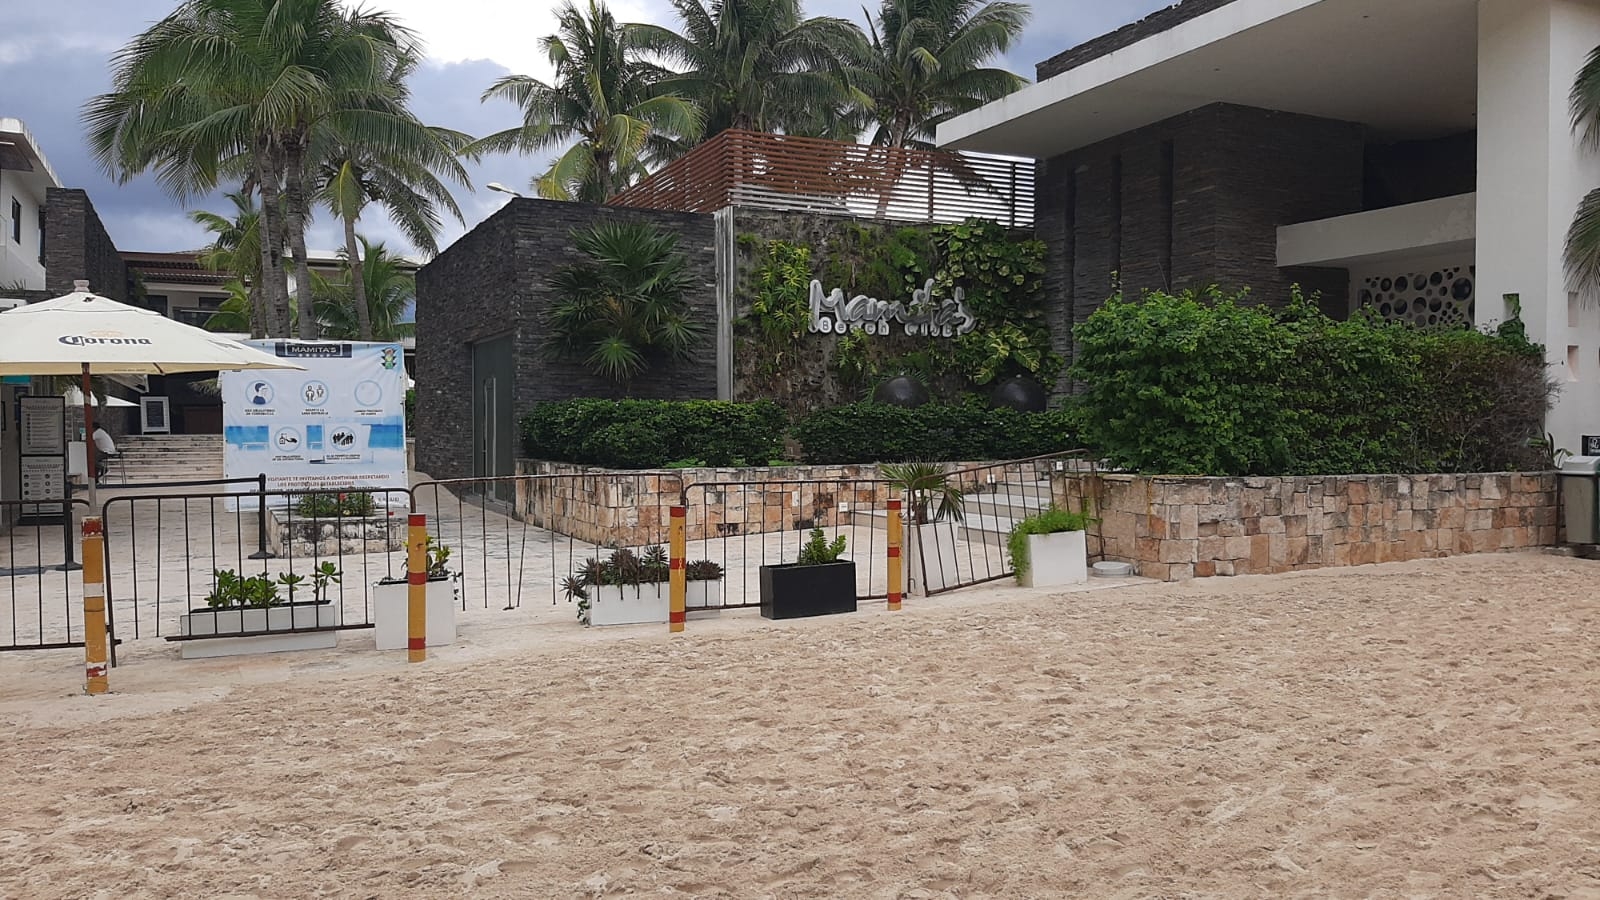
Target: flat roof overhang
[(1408, 70)]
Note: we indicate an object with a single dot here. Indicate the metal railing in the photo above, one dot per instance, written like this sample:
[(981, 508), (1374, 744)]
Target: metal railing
[(42, 592)]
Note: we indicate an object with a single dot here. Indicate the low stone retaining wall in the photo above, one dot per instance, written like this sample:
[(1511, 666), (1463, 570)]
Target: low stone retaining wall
[(1180, 528), (329, 537), (631, 508)]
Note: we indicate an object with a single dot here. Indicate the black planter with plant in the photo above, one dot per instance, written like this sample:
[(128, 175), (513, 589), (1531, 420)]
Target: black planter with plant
[(819, 583)]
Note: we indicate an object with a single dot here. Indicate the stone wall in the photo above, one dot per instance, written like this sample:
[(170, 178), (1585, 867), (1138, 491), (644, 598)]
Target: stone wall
[(495, 281), (76, 246), (1126, 36), (1179, 528), (631, 509), (1191, 201)]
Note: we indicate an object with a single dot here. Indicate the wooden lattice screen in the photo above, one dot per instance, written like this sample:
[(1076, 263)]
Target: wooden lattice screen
[(744, 168)]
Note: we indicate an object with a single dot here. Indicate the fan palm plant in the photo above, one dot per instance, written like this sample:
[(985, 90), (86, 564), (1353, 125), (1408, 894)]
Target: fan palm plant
[(623, 307), (933, 496), (925, 64), (604, 106), (759, 64)]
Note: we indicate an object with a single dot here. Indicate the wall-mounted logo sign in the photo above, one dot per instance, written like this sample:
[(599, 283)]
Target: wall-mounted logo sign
[(833, 313)]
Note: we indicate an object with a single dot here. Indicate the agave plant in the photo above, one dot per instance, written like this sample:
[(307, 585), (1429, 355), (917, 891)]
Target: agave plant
[(932, 495)]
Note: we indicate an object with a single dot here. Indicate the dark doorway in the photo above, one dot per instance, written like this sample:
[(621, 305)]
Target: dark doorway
[(493, 432)]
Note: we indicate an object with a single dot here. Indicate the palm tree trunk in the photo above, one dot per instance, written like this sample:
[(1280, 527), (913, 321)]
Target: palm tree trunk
[(358, 284), (274, 289), (297, 214)]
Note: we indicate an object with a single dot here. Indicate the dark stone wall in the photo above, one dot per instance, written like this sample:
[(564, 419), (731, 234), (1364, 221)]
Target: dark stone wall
[(1192, 201), (76, 246), (1126, 36), (496, 280)]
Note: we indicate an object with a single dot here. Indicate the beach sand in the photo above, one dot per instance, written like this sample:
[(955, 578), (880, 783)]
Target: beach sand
[(1422, 729)]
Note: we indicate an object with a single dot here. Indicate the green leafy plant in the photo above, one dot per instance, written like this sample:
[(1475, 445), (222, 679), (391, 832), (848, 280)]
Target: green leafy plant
[(322, 578), (933, 496), (437, 559), (230, 590), (622, 309), (1051, 521), (703, 570), (968, 432), (818, 551), (647, 434), (349, 505)]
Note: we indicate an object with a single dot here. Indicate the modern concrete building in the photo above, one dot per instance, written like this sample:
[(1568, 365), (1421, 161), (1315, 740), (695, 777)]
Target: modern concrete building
[(25, 180), (1417, 157)]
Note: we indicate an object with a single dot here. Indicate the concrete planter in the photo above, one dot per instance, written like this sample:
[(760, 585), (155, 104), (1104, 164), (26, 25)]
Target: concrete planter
[(930, 556), (271, 629), (1056, 559), (703, 595), (330, 537), (629, 604), (391, 610)]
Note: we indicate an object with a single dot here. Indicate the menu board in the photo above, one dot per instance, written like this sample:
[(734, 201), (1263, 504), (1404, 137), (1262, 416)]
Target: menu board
[(44, 425)]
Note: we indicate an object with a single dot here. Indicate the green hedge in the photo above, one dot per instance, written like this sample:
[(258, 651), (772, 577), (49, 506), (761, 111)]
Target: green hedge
[(868, 432), (1204, 384), (648, 434)]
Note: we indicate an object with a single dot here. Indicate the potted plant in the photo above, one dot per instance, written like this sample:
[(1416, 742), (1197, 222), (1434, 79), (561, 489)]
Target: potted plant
[(935, 505), (704, 585), (818, 583), (1050, 549), (391, 604), (254, 617)]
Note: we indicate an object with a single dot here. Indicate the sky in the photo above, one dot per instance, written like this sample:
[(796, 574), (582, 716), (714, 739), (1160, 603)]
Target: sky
[(55, 56)]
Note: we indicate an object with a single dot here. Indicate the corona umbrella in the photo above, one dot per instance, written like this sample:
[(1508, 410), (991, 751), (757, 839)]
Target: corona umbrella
[(86, 334)]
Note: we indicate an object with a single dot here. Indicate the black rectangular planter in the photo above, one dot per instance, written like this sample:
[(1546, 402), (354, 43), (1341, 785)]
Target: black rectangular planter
[(792, 591)]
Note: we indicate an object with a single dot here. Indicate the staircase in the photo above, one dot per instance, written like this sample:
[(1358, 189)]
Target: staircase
[(163, 457)]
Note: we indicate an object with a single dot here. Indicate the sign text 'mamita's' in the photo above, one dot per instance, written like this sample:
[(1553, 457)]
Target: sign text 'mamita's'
[(834, 314)]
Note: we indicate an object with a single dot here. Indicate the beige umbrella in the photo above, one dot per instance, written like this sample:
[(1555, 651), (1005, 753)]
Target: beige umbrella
[(84, 333)]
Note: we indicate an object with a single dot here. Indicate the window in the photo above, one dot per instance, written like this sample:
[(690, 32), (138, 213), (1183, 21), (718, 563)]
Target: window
[(195, 317), (16, 221)]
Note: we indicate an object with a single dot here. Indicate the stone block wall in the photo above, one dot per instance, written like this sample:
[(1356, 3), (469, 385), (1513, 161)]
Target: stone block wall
[(1191, 201), (1174, 529), (496, 281), (76, 246)]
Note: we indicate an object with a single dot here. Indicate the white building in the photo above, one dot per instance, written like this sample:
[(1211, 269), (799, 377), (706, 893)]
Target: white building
[(1414, 155), (25, 176)]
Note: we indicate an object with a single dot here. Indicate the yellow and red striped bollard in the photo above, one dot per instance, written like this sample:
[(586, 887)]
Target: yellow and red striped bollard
[(417, 588), (95, 680), (897, 569), (678, 584)]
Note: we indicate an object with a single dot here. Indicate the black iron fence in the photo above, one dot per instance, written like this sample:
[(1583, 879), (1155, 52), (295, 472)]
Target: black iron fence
[(42, 588)]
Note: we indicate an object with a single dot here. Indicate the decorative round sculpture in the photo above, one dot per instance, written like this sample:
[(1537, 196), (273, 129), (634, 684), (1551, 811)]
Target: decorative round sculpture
[(902, 391), (1022, 394)]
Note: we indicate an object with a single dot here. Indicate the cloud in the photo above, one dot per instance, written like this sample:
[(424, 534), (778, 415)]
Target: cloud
[(55, 56)]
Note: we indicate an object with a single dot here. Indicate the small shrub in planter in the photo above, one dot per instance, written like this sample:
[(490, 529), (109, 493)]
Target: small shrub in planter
[(1050, 549), (354, 505), (391, 604), (252, 604), (628, 588), (818, 583)]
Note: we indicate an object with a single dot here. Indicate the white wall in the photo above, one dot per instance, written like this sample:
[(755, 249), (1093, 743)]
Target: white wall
[(1531, 175), (19, 262)]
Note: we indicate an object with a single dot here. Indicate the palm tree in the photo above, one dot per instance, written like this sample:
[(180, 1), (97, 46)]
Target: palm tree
[(1582, 253), (400, 177), (236, 314), (236, 88), (388, 289), (235, 248), (925, 64), (623, 307), (758, 64), (604, 102)]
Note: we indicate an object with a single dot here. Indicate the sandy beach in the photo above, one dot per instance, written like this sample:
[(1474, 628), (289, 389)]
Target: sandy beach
[(1419, 730)]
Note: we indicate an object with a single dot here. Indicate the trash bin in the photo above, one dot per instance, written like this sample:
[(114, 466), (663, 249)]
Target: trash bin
[(1580, 499)]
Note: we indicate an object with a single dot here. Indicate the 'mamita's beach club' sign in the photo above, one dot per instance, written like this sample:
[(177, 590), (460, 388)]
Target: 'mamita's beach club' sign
[(834, 314)]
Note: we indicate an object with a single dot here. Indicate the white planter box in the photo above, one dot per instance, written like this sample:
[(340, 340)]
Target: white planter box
[(629, 604), (703, 595), (1056, 559), (391, 611), (931, 559), (224, 622)]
